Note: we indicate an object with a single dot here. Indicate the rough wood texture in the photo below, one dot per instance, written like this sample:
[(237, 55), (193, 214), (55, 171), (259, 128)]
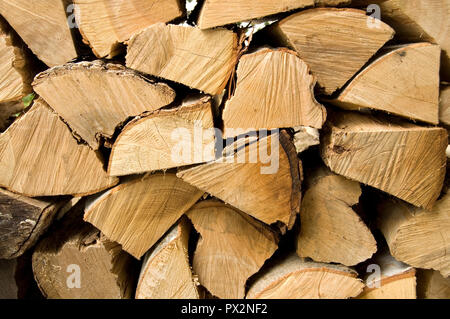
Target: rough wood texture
[(405, 82), (402, 159), (43, 25), (274, 90), (335, 43), (15, 71), (233, 246), (305, 137), (165, 139), (138, 212), (106, 23), (415, 236), (199, 59), (76, 248), (431, 285), (22, 221), (444, 106), (295, 278), (270, 194), (331, 231), (166, 273), (40, 157), (216, 12), (94, 97)]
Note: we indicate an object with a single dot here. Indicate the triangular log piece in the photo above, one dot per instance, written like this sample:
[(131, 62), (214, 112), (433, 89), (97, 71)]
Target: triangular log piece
[(40, 157), (404, 82), (444, 106), (165, 139), (305, 137), (43, 25), (335, 43), (402, 159), (330, 230), (106, 23), (203, 60), (266, 187), (232, 247), (274, 90), (295, 278), (417, 237), (166, 272), (94, 97), (431, 285), (137, 213)]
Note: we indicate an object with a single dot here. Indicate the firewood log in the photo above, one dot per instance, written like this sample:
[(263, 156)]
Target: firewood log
[(295, 278), (166, 272), (431, 285), (43, 26), (305, 137), (232, 247), (331, 231), (402, 159), (183, 56), (158, 141), (444, 106), (415, 236), (39, 156), (216, 13), (274, 90), (405, 82), (138, 212), (267, 191), (93, 98), (335, 43)]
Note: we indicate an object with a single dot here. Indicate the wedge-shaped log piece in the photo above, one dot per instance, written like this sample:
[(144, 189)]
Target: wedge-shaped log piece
[(431, 285), (40, 157), (165, 139), (405, 82), (216, 12), (22, 221), (199, 59), (262, 179), (44, 27), (444, 106), (402, 159), (106, 23), (305, 137), (76, 261), (233, 246), (94, 97), (417, 237), (274, 90), (335, 43), (15, 72), (296, 278), (331, 231), (166, 272), (396, 281), (137, 213)]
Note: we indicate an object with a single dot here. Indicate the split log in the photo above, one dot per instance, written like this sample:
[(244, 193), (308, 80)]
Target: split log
[(233, 246), (166, 272), (40, 157), (264, 186), (43, 26), (431, 285), (216, 13), (444, 107), (415, 236), (405, 82), (22, 221), (137, 213), (402, 159), (165, 139), (15, 72), (106, 23), (94, 98), (396, 280), (335, 43), (331, 231), (305, 137), (281, 83), (203, 60), (296, 278)]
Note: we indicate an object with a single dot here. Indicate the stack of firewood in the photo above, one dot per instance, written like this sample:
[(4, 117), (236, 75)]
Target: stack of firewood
[(246, 149)]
